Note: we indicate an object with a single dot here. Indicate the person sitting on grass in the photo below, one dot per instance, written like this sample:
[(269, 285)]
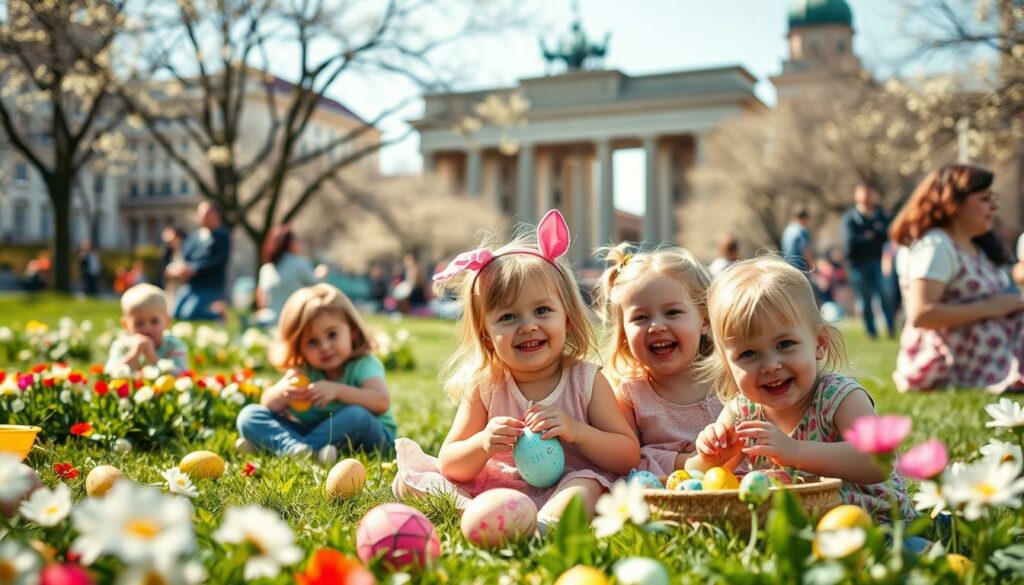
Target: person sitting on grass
[(145, 316), (332, 393)]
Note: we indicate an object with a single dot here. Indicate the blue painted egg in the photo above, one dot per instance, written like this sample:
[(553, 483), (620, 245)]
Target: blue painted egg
[(691, 485), (755, 487), (640, 571), (647, 479), (541, 462)]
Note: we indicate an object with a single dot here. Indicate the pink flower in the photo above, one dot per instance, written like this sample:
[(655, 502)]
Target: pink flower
[(924, 461), (877, 435), (66, 574)]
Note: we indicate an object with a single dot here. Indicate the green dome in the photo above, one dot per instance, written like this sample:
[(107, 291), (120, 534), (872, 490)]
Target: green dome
[(804, 13)]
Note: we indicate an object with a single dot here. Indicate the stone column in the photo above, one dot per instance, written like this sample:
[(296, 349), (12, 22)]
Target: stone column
[(606, 195), (474, 164), (667, 227), (525, 184), (653, 212), (545, 182), (579, 223)]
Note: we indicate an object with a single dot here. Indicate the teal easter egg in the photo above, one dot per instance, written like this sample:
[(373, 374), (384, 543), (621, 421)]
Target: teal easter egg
[(647, 479), (640, 571), (755, 487), (541, 462), (691, 485), (695, 473)]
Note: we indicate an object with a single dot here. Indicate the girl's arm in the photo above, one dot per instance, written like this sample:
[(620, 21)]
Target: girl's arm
[(926, 310), (372, 394), (608, 441), (473, 439), (841, 459)]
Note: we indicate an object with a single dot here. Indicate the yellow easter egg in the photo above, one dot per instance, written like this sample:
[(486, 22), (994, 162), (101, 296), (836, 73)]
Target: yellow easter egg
[(845, 516), (301, 405), (719, 478), (580, 575), (163, 384), (345, 479), (959, 564), (300, 381), (678, 476), (101, 479), (202, 465)]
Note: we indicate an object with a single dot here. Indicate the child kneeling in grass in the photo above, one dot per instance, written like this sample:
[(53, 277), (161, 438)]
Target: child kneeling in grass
[(145, 317)]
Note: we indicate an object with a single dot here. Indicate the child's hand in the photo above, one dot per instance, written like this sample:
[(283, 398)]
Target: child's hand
[(553, 422), (321, 393), (501, 434), (765, 439), (141, 347), (718, 443)]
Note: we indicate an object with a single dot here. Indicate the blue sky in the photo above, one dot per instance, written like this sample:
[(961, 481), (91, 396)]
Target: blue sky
[(650, 36)]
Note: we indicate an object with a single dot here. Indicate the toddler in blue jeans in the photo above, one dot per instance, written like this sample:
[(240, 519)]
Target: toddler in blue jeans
[(332, 393)]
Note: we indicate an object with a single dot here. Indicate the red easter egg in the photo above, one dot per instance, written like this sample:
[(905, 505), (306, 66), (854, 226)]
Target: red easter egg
[(402, 537)]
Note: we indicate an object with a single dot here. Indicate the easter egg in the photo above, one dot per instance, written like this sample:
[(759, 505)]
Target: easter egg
[(400, 535), (202, 465), (28, 479), (755, 487), (541, 462), (580, 575), (300, 381), (719, 478), (499, 516), (779, 477), (101, 479), (695, 473), (690, 485), (959, 564), (122, 446), (845, 516), (345, 479), (678, 476), (647, 479), (640, 571)]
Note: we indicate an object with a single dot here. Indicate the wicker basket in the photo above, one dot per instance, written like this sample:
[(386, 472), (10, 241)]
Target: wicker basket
[(721, 507)]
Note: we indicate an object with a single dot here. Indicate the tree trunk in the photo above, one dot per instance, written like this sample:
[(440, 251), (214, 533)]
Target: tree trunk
[(60, 197)]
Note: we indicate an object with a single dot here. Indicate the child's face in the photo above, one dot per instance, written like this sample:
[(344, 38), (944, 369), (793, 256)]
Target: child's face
[(528, 336), (327, 342), (662, 327), (148, 321), (777, 367)]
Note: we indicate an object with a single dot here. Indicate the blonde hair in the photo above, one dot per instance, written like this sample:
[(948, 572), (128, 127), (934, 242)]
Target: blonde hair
[(627, 269), (498, 284), (752, 294), (143, 296), (301, 308)]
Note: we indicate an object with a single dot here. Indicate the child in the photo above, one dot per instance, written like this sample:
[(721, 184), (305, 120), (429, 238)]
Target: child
[(522, 363), (333, 390), (653, 306), (780, 408), (144, 315)]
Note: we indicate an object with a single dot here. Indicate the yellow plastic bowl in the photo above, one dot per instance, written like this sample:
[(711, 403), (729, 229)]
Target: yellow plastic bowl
[(17, 439)]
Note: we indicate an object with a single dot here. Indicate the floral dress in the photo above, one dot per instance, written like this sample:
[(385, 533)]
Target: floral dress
[(818, 424), (983, 354)]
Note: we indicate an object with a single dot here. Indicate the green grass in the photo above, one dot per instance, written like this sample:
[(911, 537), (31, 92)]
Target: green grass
[(294, 488)]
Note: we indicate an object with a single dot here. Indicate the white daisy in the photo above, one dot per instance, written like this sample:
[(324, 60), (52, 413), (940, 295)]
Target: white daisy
[(838, 544), (48, 507), (15, 480), (983, 484), (929, 497), (151, 373), (19, 565), (191, 573), (179, 483), (1003, 452), (136, 524), (270, 537), (624, 503), (1005, 414)]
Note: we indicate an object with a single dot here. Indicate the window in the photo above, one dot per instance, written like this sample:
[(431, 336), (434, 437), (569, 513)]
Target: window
[(134, 233), (21, 172), (185, 187), (20, 220), (150, 189), (45, 221), (133, 190), (151, 148), (165, 188)]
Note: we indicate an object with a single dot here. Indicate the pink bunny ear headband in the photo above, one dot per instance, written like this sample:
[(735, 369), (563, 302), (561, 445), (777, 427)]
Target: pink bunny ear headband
[(552, 238)]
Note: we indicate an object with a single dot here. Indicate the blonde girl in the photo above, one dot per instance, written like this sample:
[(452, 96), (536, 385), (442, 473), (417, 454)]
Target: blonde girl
[(781, 408), (522, 363), (332, 393), (654, 311)]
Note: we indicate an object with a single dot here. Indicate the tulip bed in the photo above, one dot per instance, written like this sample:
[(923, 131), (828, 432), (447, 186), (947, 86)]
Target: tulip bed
[(267, 520)]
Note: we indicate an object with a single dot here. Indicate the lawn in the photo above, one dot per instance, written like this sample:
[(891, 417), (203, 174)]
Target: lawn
[(294, 489)]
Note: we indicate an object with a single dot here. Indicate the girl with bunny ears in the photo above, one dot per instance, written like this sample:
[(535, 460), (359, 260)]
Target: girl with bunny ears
[(522, 363)]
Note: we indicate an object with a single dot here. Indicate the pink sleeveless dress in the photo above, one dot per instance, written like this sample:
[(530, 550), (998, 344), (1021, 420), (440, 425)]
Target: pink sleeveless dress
[(985, 354), (666, 428), (418, 473)]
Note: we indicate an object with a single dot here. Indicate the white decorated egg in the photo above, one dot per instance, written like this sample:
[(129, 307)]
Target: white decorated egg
[(541, 462), (640, 571), (497, 517)]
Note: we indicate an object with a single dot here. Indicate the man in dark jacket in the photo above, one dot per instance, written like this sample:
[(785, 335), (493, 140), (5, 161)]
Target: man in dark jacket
[(206, 253), (865, 231)]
